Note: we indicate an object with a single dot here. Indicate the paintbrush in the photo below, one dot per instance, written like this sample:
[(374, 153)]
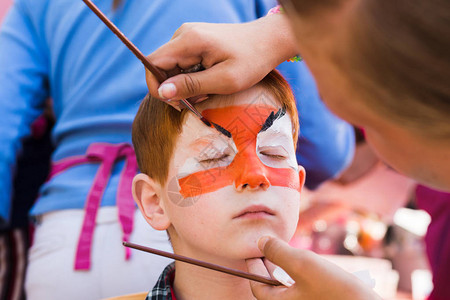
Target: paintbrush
[(206, 265), (158, 73)]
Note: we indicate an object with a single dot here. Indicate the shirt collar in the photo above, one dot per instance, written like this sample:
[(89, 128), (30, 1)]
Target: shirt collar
[(163, 288)]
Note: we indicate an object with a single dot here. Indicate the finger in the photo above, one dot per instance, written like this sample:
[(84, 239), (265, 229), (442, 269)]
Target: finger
[(178, 52), (197, 99), (269, 265), (222, 78), (278, 273), (290, 259), (312, 273), (175, 104), (152, 84), (153, 90), (257, 266), (260, 290)]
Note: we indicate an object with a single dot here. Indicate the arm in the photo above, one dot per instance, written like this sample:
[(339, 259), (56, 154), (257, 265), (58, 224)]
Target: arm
[(23, 91), (314, 277)]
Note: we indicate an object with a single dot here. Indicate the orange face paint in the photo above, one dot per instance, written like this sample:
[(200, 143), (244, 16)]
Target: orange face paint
[(246, 170)]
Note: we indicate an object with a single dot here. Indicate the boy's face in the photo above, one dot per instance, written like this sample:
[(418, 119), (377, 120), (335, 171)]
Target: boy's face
[(223, 193)]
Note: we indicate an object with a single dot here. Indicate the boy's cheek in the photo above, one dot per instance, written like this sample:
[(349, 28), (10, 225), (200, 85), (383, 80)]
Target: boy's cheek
[(212, 180), (175, 195)]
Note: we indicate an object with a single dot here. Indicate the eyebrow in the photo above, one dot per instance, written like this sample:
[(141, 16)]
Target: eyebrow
[(272, 118)]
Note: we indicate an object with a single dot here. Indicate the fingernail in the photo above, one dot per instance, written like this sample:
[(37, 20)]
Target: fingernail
[(283, 277), (167, 90), (262, 242)]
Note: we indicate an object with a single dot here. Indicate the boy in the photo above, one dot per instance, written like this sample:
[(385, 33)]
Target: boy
[(217, 191)]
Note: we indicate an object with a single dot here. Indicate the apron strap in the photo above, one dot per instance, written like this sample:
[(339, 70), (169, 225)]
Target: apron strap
[(107, 155)]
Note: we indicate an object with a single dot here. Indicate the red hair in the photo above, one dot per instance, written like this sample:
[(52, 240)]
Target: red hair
[(158, 125)]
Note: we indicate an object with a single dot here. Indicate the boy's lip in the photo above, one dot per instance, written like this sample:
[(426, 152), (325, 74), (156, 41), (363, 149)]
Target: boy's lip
[(255, 210)]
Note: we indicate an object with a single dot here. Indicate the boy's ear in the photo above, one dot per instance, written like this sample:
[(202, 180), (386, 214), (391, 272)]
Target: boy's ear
[(301, 176), (147, 195)]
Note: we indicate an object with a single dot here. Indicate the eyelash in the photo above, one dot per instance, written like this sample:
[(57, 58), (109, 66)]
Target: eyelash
[(215, 159), (225, 156), (275, 156)]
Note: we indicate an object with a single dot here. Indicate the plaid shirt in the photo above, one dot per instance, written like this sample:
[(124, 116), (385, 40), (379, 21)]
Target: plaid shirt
[(163, 287)]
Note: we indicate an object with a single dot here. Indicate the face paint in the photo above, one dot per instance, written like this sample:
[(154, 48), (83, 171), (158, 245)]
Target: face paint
[(212, 151), (274, 144), (244, 167)]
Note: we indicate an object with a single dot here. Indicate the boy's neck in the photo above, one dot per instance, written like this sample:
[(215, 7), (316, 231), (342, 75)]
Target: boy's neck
[(192, 282)]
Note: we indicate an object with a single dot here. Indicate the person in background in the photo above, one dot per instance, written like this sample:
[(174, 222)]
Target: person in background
[(60, 49), (33, 166), (32, 169), (437, 238)]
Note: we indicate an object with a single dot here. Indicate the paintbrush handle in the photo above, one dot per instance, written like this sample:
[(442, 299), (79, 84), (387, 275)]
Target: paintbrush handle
[(158, 73), (204, 264)]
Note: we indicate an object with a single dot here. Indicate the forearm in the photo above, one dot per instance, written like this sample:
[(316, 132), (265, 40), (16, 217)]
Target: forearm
[(276, 38)]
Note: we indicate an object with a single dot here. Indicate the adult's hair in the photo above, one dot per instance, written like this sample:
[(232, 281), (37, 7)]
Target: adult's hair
[(397, 58), (158, 125)]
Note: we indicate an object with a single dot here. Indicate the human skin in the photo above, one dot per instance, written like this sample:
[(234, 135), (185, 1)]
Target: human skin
[(315, 278), (223, 224), (409, 152), (220, 50), (414, 154), (406, 150)]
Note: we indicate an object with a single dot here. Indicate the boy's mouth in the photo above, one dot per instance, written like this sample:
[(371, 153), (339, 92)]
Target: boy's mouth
[(255, 212)]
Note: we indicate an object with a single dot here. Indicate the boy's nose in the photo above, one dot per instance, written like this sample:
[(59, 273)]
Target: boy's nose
[(251, 174)]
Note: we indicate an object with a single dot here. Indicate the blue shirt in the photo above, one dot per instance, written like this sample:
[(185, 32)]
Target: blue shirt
[(60, 49)]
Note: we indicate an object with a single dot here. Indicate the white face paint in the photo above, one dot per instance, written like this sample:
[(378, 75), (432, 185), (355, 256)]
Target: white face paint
[(275, 147), (210, 151), (216, 221)]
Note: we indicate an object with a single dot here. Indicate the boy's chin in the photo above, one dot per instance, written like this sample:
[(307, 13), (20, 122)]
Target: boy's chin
[(250, 248), (252, 253)]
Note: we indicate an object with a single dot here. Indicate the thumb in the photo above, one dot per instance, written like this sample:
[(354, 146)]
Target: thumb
[(219, 79), (262, 291), (281, 254), (181, 86)]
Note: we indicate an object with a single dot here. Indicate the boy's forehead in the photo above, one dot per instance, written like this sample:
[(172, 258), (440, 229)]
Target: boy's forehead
[(246, 110), (254, 96)]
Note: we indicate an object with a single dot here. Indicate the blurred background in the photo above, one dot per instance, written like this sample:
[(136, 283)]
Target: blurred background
[(369, 222), (4, 4)]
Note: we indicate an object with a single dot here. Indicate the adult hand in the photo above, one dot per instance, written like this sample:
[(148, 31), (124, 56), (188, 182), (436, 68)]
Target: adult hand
[(236, 56), (315, 278)]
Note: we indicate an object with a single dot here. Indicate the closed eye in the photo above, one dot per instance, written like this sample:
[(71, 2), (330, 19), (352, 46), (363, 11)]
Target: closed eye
[(274, 156), (273, 152), (215, 159)]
